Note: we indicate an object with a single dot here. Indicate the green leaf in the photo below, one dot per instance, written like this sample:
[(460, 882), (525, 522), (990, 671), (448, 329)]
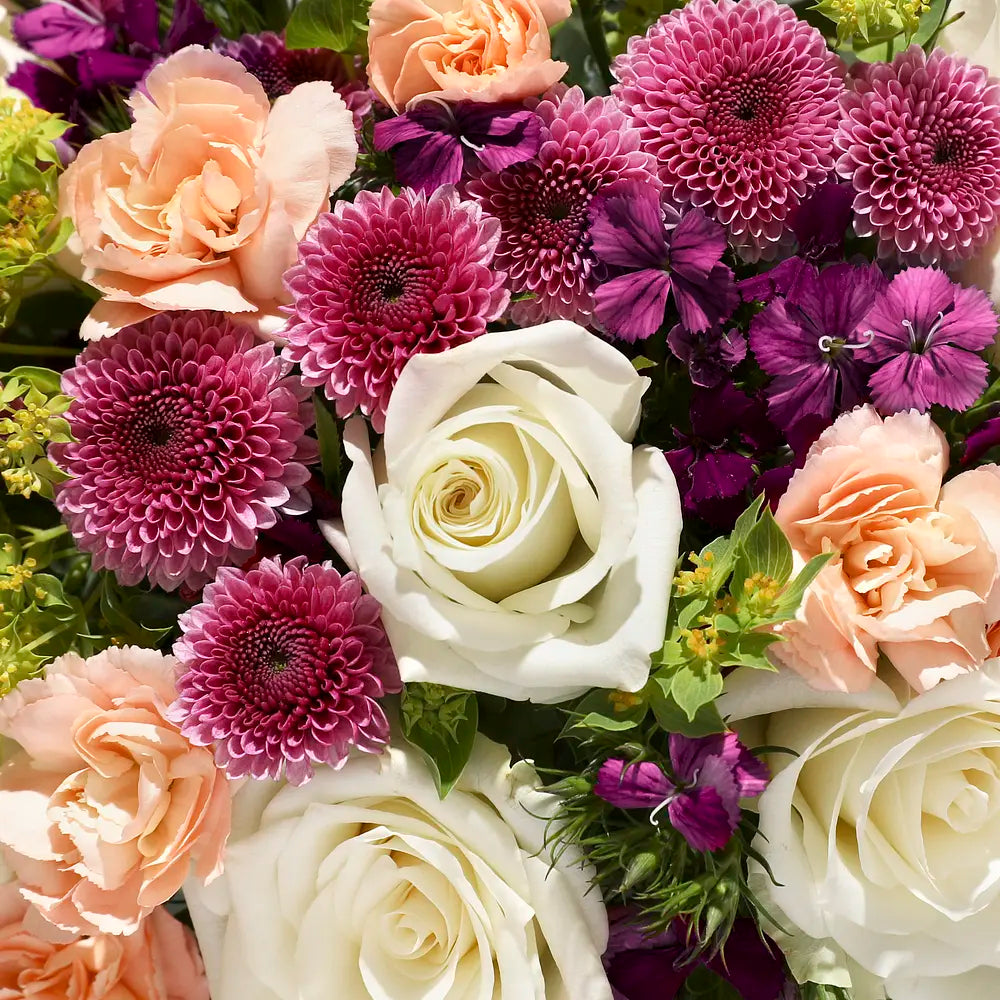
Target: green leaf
[(672, 719), (750, 651), (791, 596), (324, 24), (441, 722), (690, 611), (765, 549), (328, 435), (693, 687), (121, 618), (608, 711), (640, 363)]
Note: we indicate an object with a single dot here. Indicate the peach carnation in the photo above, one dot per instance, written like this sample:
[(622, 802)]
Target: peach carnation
[(917, 568), (462, 50), (159, 962), (106, 804), (201, 203)]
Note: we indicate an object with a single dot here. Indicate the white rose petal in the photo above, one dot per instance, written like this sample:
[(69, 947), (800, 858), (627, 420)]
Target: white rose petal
[(506, 522), (364, 884), (883, 831)]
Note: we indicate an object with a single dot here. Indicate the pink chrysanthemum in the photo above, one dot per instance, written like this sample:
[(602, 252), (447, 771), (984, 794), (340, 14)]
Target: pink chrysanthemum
[(189, 439), (739, 104), (920, 142), (386, 277), (543, 206), (282, 667)]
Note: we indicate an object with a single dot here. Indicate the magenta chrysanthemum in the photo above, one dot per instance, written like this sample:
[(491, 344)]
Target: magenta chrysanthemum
[(282, 668), (739, 104), (189, 439), (386, 277), (543, 206), (920, 142)]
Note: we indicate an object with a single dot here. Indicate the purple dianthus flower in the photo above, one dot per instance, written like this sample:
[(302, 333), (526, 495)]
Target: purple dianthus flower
[(928, 333), (812, 343), (702, 795), (661, 252)]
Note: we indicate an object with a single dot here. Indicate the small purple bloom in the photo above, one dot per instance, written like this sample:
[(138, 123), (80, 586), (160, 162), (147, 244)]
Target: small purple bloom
[(715, 463), (662, 252), (57, 30), (647, 966), (812, 343), (438, 143), (985, 437), (709, 355), (702, 798), (928, 332), (820, 222)]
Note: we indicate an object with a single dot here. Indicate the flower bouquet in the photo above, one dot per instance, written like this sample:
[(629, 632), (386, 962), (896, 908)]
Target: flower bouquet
[(500, 500)]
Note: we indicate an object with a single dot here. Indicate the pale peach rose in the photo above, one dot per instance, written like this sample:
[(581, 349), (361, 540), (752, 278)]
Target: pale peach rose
[(919, 559), (106, 805), (159, 962), (202, 202), (462, 50)]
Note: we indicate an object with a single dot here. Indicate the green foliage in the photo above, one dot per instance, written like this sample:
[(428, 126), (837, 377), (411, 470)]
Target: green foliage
[(441, 722), (872, 30), (238, 17), (31, 408), (29, 167), (328, 434), (814, 991), (327, 24)]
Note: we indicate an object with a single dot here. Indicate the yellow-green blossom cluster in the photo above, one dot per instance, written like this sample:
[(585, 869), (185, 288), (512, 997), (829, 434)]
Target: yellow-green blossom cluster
[(29, 227), (873, 20), (31, 409)]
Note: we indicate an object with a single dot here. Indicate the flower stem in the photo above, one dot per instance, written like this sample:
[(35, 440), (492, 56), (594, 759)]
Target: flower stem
[(590, 14), (38, 350)]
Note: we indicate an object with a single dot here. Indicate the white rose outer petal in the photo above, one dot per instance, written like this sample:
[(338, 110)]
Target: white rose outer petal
[(312, 905), (883, 833), (567, 404)]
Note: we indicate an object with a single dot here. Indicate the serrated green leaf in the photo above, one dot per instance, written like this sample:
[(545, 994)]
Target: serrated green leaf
[(328, 435), (764, 549), (693, 687), (672, 719), (324, 24), (445, 742)]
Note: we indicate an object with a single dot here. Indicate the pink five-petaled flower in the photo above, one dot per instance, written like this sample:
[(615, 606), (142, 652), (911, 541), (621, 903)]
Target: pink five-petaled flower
[(189, 439), (283, 666), (383, 278), (738, 102), (702, 799), (920, 142), (928, 334)]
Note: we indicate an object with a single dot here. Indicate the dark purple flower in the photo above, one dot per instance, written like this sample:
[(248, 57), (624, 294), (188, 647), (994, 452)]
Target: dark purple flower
[(661, 252), (710, 355), (811, 341), (928, 333), (97, 45), (56, 30), (820, 223), (281, 69), (702, 797), (714, 464), (438, 143), (981, 440), (645, 966)]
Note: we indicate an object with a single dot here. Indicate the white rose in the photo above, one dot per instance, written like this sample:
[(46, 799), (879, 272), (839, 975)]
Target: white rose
[(364, 885), (883, 832), (516, 541)]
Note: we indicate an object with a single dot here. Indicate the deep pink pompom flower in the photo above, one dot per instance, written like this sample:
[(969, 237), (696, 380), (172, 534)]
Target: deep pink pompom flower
[(189, 439), (282, 667), (544, 206), (383, 278), (739, 104), (920, 142)]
